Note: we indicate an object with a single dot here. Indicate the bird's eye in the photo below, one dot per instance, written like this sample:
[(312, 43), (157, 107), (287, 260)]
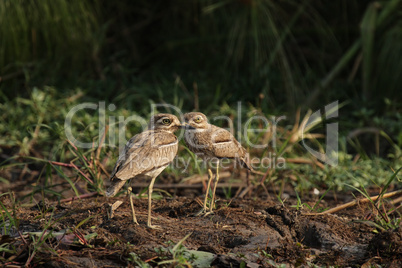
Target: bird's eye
[(166, 121), (197, 119)]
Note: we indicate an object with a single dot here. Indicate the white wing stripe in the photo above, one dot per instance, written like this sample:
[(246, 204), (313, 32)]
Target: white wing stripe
[(169, 144), (222, 143)]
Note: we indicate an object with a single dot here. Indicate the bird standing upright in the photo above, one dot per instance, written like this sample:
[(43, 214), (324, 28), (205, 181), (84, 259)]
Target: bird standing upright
[(212, 143), (146, 154)]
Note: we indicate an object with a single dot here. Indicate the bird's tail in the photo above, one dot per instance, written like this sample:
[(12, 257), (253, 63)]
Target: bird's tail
[(245, 162), (114, 187)]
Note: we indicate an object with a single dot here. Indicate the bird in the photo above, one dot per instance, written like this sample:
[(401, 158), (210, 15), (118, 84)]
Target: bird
[(212, 143), (146, 154)]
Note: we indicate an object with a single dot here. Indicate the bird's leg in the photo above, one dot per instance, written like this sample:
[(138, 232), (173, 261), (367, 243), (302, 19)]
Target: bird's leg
[(129, 190), (215, 185), (150, 189), (210, 175), (204, 209)]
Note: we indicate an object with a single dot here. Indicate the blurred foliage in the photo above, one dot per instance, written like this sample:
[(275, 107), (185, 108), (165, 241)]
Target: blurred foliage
[(48, 38), (242, 48), (273, 56)]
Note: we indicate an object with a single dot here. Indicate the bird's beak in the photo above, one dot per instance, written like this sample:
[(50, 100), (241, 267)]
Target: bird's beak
[(185, 125)]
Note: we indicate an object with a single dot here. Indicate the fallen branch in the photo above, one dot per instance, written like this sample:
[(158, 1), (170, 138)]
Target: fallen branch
[(304, 161), (396, 201), (294, 161), (355, 202), (187, 186), (257, 172), (199, 178), (61, 164)]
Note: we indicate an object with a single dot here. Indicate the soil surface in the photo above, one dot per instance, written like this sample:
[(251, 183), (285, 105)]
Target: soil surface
[(248, 232)]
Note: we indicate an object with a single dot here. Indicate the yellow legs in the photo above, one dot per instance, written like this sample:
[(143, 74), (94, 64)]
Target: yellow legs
[(150, 189), (215, 185), (129, 190), (203, 211)]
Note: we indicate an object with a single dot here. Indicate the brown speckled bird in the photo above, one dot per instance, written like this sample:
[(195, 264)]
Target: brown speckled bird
[(146, 154), (212, 143)]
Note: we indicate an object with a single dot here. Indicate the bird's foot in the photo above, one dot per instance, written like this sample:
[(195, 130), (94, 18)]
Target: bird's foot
[(199, 213), (208, 213), (113, 208), (203, 212), (155, 227)]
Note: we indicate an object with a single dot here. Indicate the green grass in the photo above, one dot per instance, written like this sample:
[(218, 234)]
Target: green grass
[(384, 218), (35, 138), (65, 34), (177, 255), (9, 222)]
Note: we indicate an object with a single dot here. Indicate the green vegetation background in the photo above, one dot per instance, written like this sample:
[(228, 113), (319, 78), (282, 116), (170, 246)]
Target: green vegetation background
[(274, 56)]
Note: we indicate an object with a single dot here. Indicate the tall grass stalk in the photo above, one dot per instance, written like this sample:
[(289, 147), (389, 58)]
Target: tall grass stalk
[(62, 33)]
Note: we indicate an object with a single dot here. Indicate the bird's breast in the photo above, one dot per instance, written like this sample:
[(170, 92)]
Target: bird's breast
[(197, 141)]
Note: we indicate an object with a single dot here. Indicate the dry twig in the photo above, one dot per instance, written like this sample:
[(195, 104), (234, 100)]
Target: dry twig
[(355, 202)]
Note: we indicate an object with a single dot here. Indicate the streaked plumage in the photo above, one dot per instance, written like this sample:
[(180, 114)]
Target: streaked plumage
[(146, 154), (212, 143)]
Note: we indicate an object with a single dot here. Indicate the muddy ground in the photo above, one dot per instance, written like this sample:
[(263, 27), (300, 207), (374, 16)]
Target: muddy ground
[(250, 232)]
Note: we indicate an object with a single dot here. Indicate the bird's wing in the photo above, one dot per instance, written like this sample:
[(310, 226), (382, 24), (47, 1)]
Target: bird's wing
[(225, 145), (145, 152), (135, 142)]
